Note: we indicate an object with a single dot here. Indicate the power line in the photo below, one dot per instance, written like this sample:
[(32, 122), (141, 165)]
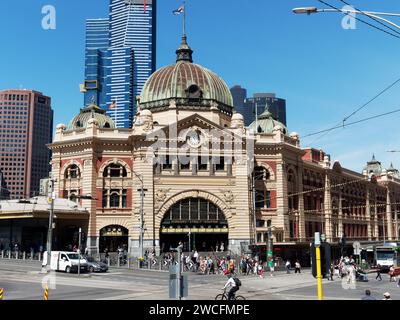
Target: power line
[(365, 22), (353, 123), (373, 18)]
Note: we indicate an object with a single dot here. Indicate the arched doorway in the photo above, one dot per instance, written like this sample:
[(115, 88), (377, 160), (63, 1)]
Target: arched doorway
[(197, 222), (112, 237)]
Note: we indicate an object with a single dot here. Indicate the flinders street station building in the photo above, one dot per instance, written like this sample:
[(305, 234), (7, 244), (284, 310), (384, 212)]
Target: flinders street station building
[(189, 170)]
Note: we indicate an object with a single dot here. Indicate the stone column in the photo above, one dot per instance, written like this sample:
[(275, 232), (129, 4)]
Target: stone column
[(301, 215), (389, 220), (89, 177), (368, 215), (328, 208), (240, 226), (144, 168), (282, 200), (340, 215)]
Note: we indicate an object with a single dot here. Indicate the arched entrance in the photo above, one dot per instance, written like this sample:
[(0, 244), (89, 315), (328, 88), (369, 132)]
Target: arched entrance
[(197, 222), (112, 237)]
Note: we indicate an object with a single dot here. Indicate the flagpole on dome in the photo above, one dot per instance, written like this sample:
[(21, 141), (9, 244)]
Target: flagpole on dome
[(184, 18)]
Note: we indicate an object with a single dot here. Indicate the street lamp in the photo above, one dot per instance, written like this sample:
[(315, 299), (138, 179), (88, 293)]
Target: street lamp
[(371, 14), (307, 10)]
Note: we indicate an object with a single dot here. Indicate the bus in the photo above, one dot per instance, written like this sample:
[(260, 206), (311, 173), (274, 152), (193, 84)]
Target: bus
[(387, 255)]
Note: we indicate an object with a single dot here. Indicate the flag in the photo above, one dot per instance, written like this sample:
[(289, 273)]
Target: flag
[(113, 105), (145, 6), (180, 10)]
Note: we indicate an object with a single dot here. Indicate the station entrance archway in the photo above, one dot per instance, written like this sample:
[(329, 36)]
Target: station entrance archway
[(198, 223)]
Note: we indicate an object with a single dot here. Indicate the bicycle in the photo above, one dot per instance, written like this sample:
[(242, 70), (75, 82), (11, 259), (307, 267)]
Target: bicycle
[(224, 296)]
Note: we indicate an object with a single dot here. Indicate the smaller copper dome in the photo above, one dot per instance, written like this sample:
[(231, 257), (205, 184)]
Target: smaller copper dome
[(92, 111)]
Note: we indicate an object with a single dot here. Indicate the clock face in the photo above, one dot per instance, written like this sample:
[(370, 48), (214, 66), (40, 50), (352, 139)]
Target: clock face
[(194, 139)]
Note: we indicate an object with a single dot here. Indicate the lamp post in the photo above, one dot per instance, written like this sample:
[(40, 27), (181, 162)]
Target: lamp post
[(52, 197), (372, 14)]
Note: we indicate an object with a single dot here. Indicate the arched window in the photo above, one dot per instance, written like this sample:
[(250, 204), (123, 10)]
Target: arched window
[(115, 171), (72, 172), (114, 198), (107, 125)]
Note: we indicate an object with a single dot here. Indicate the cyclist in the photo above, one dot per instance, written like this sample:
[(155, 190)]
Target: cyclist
[(233, 286)]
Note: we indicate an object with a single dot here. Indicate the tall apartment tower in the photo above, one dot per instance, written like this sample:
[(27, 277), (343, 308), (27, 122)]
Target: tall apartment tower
[(26, 126), (262, 101), (120, 56), (239, 94)]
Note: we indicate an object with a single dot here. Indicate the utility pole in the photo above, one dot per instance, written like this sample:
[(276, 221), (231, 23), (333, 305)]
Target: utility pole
[(254, 206), (270, 254), (318, 264), (79, 252), (142, 190), (52, 197)]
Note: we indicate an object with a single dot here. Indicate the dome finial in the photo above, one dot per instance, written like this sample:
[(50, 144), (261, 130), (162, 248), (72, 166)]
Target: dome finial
[(184, 52)]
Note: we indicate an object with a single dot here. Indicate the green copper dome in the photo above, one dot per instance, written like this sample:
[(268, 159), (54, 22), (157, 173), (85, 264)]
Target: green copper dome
[(87, 113), (266, 123), (187, 83)]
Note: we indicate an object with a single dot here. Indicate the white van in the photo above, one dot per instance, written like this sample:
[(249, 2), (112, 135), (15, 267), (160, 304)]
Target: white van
[(65, 261)]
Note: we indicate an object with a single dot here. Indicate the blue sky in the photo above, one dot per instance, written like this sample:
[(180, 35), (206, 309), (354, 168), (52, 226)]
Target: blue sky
[(324, 71)]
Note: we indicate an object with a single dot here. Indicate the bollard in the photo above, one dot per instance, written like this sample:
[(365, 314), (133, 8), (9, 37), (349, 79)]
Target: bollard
[(2, 254), (108, 261), (1, 293), (160, 266), (46, 294), (138, 264), (129, 262), (148, 264), (23, 255), (32, 254), (9, 254), (118, 262), (39, 256)]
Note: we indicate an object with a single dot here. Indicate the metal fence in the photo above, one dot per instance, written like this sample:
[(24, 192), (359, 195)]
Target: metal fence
[(21, 255)]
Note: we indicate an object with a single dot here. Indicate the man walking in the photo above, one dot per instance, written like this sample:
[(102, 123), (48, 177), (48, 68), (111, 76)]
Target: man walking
[(287, 265), (297, 267), (378, 273)]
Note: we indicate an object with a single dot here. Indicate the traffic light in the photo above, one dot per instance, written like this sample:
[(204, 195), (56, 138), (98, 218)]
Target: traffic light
[(325, 259)]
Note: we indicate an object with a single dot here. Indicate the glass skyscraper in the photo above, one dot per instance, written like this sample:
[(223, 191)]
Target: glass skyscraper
[(120, 56)]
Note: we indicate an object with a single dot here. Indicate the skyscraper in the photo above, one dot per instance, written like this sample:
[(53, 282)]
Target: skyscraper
[(239, 94), (26, 126), (260, 102), (120, 56)]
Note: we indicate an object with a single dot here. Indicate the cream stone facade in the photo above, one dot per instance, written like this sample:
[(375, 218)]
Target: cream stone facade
[(208, 180)]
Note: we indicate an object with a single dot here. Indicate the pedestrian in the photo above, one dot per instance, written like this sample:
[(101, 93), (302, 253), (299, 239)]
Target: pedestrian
[(331, 271), (391, 274), (378, 273), (297, 267), (222, 248), (271, 267), (287, 265), (386, 296), (368, 296)]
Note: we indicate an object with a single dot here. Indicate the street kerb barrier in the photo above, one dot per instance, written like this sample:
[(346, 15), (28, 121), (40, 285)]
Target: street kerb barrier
[(1, 293), (46, 294)]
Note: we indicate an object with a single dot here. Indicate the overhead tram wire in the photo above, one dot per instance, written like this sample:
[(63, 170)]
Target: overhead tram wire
[(358, 19), (371, 17), (353, 123), (356, 111)]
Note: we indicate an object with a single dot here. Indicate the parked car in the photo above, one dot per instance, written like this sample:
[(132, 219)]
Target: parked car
[(96, 266)]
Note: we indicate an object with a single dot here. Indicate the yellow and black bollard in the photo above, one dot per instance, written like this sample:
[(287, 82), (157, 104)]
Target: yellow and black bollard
[(46, 293), (1, 293)]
